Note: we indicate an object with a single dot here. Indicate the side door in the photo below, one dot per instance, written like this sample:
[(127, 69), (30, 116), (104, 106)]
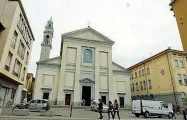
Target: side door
[(165, 108), (152, 107), (32, 105), (44, 104), (38, 104)]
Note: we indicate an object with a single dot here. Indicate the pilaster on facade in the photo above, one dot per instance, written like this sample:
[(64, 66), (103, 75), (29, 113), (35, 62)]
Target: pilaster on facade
[(77, 89), (61, 93), (97, 96)]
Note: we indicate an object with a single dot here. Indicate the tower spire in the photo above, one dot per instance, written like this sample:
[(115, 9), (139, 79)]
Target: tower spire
[(50, 20), (46, 45)]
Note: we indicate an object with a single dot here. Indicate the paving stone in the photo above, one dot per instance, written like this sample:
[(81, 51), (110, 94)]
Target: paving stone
[(48, 113), (78, 114)]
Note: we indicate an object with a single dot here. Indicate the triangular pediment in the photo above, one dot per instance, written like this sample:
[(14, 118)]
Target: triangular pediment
[(88, 34), (56, 60), (86, 80), (117, 67)]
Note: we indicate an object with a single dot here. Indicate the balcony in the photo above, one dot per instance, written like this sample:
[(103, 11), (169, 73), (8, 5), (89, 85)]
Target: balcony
[(1, 27)]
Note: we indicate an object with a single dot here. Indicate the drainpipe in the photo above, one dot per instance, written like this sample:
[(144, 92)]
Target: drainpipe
[(171, 78), (146, 79)]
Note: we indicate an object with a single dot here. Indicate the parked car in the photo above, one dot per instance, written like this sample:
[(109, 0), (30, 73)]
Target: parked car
[(95, 106), (38, 105), (151, 108)]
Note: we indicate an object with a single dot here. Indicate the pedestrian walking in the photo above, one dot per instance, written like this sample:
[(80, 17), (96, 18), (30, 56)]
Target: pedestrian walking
[(100, 109), (116, 109), (110, 110)]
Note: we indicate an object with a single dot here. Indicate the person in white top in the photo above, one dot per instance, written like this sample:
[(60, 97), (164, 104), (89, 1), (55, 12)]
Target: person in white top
[(25, 100)]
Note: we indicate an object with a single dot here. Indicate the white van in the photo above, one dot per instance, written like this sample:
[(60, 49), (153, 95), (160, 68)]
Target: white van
[(151, 108)]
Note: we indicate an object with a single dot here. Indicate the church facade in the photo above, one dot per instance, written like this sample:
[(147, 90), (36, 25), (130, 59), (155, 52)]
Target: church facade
[(84, 70)]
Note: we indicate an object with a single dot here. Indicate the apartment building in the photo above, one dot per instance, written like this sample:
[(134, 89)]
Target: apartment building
[(179, 8), (16, 40), (162, 77)]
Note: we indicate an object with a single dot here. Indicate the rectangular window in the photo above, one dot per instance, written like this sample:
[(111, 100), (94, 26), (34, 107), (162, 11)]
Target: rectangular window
[(133, 87), (29, 41), (21, 50), (148, 71), (145, 85), (141, 86), (150, 84), (20, 22), (176, 63), (23, 26), (135, 74), (137, 87), (25, 33), (185, 79), (13, 94), (27, 58), (143, 72), (14, 39), (181, 64), (140, 73), (23, 74), (8, 61), (179, 79), (17, 68), (132, 76)]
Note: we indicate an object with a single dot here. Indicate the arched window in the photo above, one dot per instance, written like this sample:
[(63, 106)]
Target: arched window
[(87, 58), (47, 36), (47, 39)]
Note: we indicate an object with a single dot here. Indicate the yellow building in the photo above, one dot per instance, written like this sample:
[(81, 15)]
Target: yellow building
[(180, 12), (162, 77), (16, 39), (30, 85)]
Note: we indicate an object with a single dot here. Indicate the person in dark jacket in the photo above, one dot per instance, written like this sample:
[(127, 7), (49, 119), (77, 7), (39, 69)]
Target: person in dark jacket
[(116, 109), (110, 109), (100, 109)]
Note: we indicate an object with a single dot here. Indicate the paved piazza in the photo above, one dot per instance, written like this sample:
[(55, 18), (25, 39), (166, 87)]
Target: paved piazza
[(77, 113)]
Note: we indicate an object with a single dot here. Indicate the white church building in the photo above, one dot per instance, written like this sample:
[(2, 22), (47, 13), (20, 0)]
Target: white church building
[(84, 70)]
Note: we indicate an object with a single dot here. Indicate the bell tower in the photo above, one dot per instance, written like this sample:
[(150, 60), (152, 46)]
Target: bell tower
[(46, 45)]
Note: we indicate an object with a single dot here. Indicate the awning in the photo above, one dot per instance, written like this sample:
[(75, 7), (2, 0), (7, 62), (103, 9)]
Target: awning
[(6, 86)]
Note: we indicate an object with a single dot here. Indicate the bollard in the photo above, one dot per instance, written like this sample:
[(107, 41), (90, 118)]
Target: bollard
[(184, 113), (71, 109)]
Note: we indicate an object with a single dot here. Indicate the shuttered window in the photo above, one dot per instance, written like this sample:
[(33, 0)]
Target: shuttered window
[(17, 68), (8, 61), (14, 39), (179, 79)]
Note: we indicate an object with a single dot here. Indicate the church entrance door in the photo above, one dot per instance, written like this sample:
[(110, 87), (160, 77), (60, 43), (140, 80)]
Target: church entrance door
[(67, 99), (86, 95)]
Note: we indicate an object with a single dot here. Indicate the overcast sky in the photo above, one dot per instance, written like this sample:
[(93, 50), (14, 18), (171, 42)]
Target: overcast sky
[(140, 29)]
